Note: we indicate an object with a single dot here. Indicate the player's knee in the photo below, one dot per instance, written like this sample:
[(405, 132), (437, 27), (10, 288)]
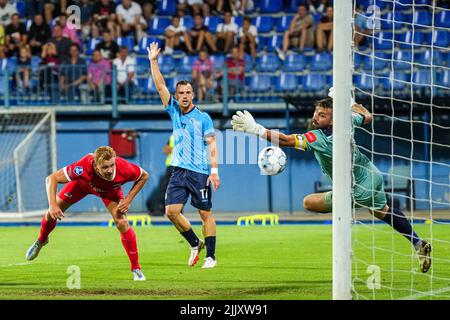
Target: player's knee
[(205, 215), (172, 213), (121, 224), (308, 203)]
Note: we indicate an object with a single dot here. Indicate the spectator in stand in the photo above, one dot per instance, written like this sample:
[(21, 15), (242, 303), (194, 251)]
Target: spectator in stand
[(49, 72), (203, 75), (23, 70), (104, 17), (317, 6), (192, 6), (244, 6), (54, 8), (248, 38), (126, 71), (176, 38), (73, 74), (34, 7), (225, 33), (6, 12), (99, 76), (236, 73), (201, 37), (324, 31), (129, 17), (69, 30), (62, 43), (108, 47), (2, 36), (15, 36), (300, 33), (38, 34), (148, 8)]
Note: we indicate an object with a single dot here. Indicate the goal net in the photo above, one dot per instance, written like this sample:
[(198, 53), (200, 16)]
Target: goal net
[(27, 157), (401, 75)]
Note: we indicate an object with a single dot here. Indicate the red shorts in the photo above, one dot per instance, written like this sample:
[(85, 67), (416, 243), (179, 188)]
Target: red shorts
[(76, 190)]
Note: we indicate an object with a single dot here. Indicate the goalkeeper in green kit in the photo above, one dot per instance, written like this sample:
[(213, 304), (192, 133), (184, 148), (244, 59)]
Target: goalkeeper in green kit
[(368, 190)]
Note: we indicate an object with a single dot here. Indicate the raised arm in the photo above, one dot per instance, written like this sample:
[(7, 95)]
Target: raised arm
[(358, 108), (158, 78)]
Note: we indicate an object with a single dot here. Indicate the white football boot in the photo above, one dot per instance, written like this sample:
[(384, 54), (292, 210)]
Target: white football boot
[(195, 252), (33, 251), (138, 275), (209, 263)]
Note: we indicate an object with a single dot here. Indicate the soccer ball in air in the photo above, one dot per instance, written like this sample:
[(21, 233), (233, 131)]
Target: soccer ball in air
[(272, 160)]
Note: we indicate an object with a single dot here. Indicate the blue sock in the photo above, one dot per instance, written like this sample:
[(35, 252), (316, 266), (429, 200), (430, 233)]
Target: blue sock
[(400, 223), (191, 237), (210, 243)]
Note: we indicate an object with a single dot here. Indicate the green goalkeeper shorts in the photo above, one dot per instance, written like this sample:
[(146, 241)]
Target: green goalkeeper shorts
[(367, 194)]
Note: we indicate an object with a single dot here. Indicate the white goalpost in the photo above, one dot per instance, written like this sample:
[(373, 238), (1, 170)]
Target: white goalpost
[(27, 157), (400, 72)]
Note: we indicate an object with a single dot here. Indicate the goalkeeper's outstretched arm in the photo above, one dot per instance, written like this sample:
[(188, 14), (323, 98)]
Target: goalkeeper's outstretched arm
[(359, 108), (243, 121)]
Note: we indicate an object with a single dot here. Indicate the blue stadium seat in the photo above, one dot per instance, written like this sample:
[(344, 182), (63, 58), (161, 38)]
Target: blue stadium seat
[(397, 81), (442, 19), (166, 8), (383, 41), (443, 79), (21, 9), (405, 39), (377, 62), (439, 38), (358, 59), (166, 63), (275, 41), (35, 61), (422, 77), (262, 42), (425, 57), (185, 64), (286, 82), (367, 3), (218, 60), (270, 6), (187, 22), (292, 5), (267, 63), (142, 66), (158, 25), (239, 20), (212, 22), (392, 19), (283, 23), (312, 82), (91, 44), (263, 24), (127, 42), (364, 81), (422, 19), (321, 62), (12, 64), (294, 62), (145, 42), (402, 60), (260, 83), (248, 63)]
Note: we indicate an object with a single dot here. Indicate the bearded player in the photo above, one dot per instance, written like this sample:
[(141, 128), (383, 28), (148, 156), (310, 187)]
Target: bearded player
[(368, 190), (102, 174)]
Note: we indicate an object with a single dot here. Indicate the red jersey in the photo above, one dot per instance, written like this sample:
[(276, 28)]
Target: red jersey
[(83, 169)]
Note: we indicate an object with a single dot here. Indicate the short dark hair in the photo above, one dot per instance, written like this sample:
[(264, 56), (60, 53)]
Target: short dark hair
[(326, 103), (123, 48), (247, 18), (303, 5), (75, 45), (183, 83)]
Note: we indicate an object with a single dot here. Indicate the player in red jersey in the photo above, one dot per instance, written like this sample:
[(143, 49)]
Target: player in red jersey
[(102, 174)]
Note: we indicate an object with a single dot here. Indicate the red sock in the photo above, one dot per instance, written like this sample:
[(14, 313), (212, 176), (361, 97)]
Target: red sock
[(46, 228), (129, 243)]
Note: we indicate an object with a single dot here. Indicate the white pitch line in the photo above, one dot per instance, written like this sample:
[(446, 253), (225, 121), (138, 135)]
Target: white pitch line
[(425, 294), (14, 264)]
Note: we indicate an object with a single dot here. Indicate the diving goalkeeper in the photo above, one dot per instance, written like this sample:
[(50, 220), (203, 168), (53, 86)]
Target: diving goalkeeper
[(368, 190)]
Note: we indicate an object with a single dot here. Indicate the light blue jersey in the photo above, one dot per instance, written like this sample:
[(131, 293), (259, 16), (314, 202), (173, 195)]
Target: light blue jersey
[(190, 129)]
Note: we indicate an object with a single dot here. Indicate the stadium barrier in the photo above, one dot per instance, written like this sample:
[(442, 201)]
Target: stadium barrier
[(273, 219)]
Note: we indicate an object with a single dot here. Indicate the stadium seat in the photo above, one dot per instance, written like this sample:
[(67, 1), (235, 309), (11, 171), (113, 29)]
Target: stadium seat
[(218, 60), (313, 82), (377, 62), (442, 19), (186, 63), (364, 81), (443, 80), (21, 9), (263, 24), (292, 5), (239, 20), (405, 39), (142, 66), (166, 8), (439, 38), (422, 78), (12, 64), (383, 41), (127, 42), (358, 59), (275, 41), (158, 25), (91, 44), (321, 62), (35, 61), (212, 22), (145, 42), (187, 22), (402, 60), (283, 23), (422, 19), (397, 81), (286, 82), (392, 19), (260, 83), (262, 43), (294, 62), (267, 63), (425, 57), (270, 6), (166, 63), (249, 63)]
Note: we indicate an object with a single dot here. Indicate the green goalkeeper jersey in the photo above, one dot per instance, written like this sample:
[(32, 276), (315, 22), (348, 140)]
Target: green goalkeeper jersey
[(321, 143)]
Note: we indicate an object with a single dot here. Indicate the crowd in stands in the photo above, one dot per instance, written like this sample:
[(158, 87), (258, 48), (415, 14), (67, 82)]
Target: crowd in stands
[(208, 33)]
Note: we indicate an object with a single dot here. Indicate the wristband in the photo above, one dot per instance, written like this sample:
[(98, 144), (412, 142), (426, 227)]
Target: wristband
[(215, 170)]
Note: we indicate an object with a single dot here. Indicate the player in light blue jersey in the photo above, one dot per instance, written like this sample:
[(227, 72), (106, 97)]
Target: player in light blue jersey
[(194, 141), (367, 191)]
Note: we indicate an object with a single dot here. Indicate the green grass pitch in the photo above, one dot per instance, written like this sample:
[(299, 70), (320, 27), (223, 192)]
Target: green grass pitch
[(255, 262)]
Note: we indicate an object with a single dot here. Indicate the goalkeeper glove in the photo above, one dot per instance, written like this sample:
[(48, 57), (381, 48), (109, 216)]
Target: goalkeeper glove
[(243, 121), (331, 95)]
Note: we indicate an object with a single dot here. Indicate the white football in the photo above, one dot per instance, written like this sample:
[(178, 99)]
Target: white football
[(272, 160)]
